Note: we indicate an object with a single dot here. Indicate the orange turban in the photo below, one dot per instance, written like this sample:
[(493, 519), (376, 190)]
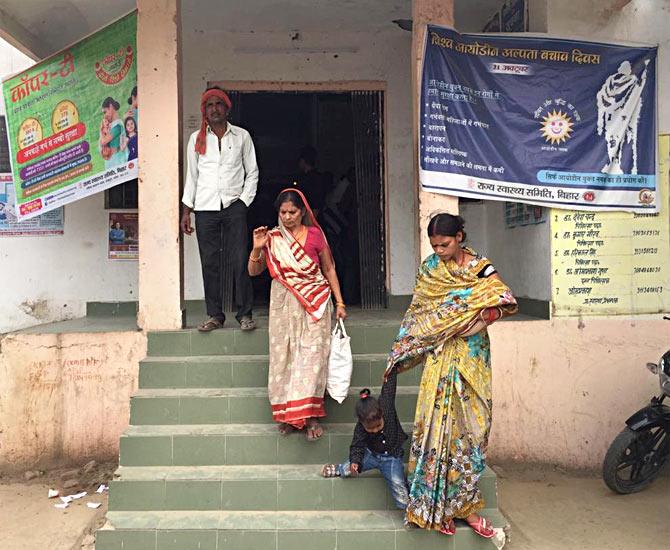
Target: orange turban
[(201, 140)]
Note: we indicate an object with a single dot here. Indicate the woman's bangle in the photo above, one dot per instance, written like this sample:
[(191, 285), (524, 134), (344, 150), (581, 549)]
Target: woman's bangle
[(255, 260), (341, 304)]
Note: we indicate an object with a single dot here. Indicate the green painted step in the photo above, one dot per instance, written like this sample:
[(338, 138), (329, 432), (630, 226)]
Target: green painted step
[(219, 406), (283, 487), (242, 371), (339, 530), (229, 444), (364, 339)]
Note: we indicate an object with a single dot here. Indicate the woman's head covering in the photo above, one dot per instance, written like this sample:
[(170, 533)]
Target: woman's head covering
[(201, 140), (311, 218)]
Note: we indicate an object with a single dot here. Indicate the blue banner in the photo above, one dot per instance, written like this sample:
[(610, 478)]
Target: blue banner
[(547, 121)]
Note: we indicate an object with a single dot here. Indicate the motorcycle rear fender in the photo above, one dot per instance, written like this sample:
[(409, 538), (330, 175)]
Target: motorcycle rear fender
[(649, 417)]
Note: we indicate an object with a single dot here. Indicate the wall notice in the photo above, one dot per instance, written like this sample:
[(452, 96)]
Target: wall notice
[(72, 121), (50, 223), (613, 263), (122, 239)]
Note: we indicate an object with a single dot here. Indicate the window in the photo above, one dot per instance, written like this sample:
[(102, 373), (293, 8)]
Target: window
[(5, 165), (122, 196)]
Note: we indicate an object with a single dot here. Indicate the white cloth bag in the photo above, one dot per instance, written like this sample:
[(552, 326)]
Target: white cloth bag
[(340, 363)]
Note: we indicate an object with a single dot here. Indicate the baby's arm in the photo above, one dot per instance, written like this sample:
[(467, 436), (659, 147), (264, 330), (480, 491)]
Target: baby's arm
[(357, 449), (387, 396)]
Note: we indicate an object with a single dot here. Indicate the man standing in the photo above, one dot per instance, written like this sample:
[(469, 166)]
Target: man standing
[(221, 181)]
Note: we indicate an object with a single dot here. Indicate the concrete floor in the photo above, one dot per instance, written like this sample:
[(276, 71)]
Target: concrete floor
[(547, 509), (29, 521), (552, 510)]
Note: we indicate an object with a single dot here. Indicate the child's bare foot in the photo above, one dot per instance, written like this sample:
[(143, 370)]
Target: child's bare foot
[(329, 470)]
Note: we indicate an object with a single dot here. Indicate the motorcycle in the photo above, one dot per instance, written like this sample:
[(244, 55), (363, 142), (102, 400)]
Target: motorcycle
[(641, 450)]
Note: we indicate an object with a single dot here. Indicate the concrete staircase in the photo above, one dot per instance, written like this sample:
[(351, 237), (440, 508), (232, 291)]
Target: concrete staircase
[(203, 467)]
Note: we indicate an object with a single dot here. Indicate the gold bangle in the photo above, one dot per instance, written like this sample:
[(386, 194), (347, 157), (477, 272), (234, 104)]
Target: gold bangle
[(255, 260), (340, 304)]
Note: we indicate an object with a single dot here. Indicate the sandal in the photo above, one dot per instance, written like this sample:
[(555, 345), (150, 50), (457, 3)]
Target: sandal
[(482, 527), (450, 529), (210, 324), (286, 429), (329, 470), (247, 324), (314, 431)]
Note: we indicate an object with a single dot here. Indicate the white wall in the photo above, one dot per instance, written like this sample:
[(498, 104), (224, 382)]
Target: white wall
[(51, 278), (11, 61), (266, 56), (520, 254)]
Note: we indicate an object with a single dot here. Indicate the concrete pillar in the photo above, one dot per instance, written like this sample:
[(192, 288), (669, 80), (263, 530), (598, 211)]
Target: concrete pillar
[(158, 74), (439, 12)]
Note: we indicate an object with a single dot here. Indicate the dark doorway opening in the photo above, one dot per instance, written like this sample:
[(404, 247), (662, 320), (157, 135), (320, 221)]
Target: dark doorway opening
[(345, 129)]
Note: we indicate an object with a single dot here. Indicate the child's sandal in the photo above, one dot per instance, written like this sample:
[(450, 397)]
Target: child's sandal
[(329, 470)]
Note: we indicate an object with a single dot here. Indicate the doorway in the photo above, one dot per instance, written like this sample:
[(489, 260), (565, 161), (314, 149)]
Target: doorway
[(343, 130)]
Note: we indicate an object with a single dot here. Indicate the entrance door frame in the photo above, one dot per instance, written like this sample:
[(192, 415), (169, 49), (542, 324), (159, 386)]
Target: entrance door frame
[(251, 86)]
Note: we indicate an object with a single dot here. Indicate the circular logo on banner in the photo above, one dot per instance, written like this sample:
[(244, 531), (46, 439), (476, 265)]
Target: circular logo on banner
[(556, 127), (646, 196), (64, 115), (30, 132)]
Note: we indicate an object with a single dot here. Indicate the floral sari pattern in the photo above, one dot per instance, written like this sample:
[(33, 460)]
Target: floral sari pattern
[(453, 414)]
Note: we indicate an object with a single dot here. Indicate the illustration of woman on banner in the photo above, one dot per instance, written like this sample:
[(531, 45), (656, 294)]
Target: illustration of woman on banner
[(129, 140), (111, 130), (132, 101)]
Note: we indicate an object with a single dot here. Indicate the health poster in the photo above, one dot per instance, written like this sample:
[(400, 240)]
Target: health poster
[(50, 223), (72, 121), (613, 263), (545, 121), (122, 240)]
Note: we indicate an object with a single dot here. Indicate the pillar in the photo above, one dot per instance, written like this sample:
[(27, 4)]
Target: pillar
[(439, 12), (158, 75)]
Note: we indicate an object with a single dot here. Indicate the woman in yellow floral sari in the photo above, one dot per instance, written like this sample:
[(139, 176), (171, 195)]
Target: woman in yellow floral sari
[(458, 293)]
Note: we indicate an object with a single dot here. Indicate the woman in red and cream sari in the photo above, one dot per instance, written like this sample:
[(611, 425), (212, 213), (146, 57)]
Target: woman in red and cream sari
[(303, 280)]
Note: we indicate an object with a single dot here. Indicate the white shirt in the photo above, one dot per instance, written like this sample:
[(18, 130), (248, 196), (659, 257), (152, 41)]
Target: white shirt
[(221, 177)]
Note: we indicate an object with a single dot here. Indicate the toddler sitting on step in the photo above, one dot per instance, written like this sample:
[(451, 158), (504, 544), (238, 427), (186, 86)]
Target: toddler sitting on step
[(377, 443)]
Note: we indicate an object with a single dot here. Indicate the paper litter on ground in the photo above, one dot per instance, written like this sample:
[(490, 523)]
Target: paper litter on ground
[(94, 505), (62, 505), (53, 493), (102, 488)]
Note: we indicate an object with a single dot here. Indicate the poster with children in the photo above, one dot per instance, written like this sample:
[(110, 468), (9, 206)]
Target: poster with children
[(123, 242), (72, 121)]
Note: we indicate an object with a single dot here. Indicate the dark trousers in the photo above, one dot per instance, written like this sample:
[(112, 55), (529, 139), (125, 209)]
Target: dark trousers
[(210, 227)]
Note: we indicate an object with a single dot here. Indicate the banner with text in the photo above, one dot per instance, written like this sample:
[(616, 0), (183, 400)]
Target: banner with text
[(72, 121), (607, 263), (553, 122)]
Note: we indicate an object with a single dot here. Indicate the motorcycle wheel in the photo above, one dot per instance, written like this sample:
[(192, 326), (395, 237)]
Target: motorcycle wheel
[(635, 459)]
